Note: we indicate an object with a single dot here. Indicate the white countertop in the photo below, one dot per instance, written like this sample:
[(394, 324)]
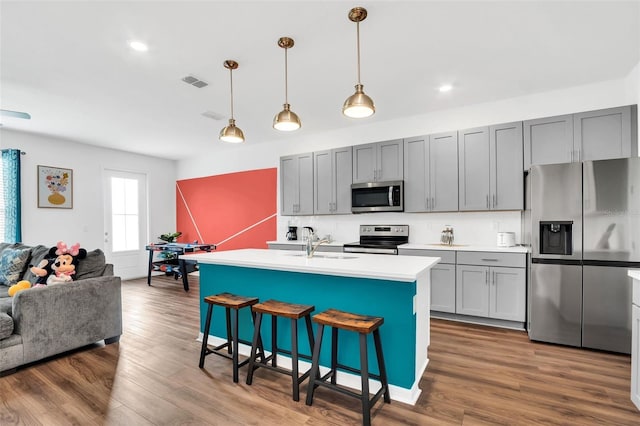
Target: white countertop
[(463, 247), (455, 247), (635, 274), (372, 266)]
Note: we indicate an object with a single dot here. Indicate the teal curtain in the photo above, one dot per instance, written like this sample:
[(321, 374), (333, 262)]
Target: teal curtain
[(12, 202)]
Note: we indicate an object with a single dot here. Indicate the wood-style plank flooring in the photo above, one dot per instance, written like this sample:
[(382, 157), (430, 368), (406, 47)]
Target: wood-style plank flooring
[(477, 376)]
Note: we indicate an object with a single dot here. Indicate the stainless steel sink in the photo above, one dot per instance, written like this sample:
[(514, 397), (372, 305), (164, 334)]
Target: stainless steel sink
[(325, 256)]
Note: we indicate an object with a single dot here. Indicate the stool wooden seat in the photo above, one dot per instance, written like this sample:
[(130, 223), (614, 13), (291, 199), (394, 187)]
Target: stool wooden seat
[(230, 302), (363, 325), (294, 312)]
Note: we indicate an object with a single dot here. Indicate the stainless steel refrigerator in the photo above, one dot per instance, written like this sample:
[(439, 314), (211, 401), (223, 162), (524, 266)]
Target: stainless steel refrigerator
[(585, 234)]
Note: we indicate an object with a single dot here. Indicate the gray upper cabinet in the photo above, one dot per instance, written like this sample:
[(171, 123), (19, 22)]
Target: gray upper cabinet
[(431, 173), (296, 184), (548, 140), (376, 162), (473, 168), (490, 168), (605, 134), (593, 135), (332, 181), (506, 179)]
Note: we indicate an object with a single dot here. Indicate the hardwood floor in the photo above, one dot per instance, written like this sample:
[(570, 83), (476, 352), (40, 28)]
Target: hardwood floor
[(477, 376)]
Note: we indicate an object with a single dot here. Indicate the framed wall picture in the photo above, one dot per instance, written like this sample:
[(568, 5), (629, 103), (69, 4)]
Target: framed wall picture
[(55, 187)]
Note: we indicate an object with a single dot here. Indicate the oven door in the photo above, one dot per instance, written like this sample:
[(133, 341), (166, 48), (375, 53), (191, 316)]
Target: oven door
[(377, 197), (370, 248)]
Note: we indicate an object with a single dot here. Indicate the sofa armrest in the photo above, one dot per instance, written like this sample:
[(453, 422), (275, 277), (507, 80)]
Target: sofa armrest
[(62, 317)]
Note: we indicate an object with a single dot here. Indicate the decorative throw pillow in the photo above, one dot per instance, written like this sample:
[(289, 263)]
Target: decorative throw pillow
[(13, 263), (91, 266)]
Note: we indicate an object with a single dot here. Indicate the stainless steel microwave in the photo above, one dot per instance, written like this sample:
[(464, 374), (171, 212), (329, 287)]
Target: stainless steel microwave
[(377, 197)]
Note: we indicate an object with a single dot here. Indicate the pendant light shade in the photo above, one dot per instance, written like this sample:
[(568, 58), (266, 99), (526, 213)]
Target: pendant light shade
[(231, 133), (286, 120), (358, 105)]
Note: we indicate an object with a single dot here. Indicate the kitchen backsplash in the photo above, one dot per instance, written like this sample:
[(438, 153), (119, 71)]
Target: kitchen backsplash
[(474, 228)]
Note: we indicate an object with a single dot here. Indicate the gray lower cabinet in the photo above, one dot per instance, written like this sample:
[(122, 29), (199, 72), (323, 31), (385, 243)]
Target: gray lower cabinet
[(332, 181), (490, 168), (377, 162), (497, 292), (592, 135), (443, 278), (431, 173), (296, 184)]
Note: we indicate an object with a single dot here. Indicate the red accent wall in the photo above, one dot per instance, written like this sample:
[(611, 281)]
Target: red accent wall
[(224, 205)]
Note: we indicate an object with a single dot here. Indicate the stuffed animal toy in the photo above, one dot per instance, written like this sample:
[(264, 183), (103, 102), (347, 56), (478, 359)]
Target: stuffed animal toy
[(42, 271), (63, 267), (19, 286)]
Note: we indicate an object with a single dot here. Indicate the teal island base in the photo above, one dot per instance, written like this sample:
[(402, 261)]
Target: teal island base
[(403, 304)]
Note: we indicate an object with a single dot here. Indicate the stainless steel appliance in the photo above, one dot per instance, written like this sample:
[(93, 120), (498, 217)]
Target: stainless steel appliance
[(377, 197), (379, 239), (585, 233), (292, 233)]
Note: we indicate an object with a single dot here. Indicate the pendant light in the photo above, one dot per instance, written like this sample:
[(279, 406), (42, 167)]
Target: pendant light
[(231, 133), (286, 120), (358, 105)]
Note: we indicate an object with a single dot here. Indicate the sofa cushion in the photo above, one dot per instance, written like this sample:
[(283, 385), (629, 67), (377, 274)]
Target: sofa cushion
[(13, 263), (6, 325), (91, 266)]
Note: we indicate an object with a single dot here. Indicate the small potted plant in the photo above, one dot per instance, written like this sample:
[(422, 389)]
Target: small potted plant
[(170, 237)]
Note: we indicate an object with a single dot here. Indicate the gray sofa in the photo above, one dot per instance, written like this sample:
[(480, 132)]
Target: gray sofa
[(44, 321)]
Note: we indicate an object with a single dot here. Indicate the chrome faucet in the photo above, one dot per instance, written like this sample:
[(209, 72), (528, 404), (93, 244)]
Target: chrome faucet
[(311, 248)]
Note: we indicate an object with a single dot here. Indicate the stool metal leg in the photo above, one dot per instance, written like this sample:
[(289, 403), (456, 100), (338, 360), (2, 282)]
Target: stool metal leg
[(334, 355), (205, 336), (307, 320), (294, 359), (381, 366), (274, 340), (234, 338), (315, 365), (255, 343), (364, 368), (229, 339)]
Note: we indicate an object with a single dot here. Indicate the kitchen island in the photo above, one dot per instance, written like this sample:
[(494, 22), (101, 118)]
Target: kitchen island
[(394, 287)]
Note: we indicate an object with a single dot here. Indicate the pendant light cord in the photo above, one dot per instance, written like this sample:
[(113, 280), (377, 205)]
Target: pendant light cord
[(231, 79), (358, 41), (286, 78)]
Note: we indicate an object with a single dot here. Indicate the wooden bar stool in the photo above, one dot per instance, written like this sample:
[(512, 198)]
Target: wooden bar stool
[(287, 310), (363, 325), (229, 302)]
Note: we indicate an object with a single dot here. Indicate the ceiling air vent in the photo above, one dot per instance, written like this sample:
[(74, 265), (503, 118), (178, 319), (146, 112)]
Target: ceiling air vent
[(195, 81), (213, 115)]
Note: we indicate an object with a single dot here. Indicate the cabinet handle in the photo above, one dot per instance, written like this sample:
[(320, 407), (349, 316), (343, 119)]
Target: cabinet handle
[(493, 277), (489, 260), (427, 202), (487, 201), (578, 154), (486, 277), (495, 201), (433, 203)]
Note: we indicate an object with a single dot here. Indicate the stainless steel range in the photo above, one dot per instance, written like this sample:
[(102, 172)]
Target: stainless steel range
[(379, 239)]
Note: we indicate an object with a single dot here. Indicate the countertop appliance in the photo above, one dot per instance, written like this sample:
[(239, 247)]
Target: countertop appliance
[(377, 197), (585, 234), (379, 239), (292, 233), (506, 239)]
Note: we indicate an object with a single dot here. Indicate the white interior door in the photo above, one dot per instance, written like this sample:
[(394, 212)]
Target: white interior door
[(125, 230)]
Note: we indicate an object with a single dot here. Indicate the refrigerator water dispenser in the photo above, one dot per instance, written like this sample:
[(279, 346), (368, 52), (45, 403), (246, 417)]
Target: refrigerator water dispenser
[(556, 237)]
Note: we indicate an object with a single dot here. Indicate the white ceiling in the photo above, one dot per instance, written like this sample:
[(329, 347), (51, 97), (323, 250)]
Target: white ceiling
[(68, 63)]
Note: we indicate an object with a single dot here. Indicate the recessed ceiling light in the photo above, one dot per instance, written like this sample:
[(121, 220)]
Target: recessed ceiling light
[(446, 87), (139, 46)]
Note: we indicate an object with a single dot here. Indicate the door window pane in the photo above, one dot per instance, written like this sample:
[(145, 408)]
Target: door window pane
[(124, 214)]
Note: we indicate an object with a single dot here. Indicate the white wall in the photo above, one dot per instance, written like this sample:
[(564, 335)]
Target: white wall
[(85, 222), (470, 228)]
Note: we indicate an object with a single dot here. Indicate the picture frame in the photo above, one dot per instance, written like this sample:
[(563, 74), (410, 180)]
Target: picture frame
[(55, 187)]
